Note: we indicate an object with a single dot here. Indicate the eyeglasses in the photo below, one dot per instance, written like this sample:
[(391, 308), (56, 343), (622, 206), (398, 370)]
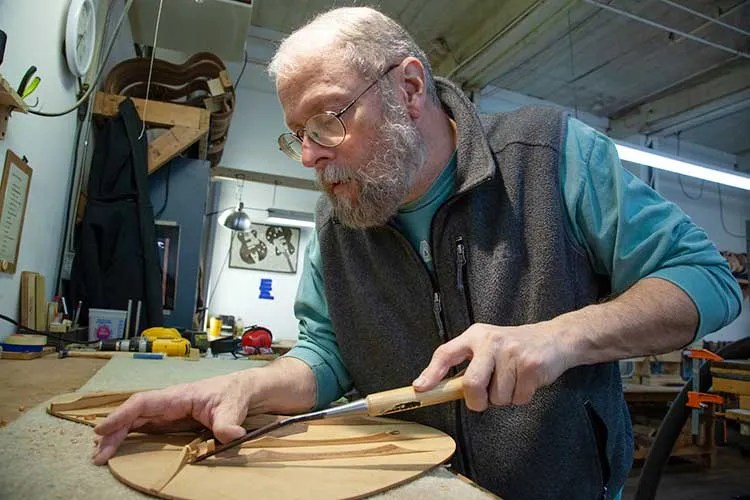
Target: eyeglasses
[(326, 129)]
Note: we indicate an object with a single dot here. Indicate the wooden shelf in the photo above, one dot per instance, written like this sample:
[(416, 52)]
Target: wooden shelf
[(186, 126), (9, 101)]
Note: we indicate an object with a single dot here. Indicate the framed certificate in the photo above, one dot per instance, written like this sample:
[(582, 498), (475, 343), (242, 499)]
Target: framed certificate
[(14, 195)]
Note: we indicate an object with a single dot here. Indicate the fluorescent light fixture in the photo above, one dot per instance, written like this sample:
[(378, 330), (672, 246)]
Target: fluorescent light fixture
[(290, 218), (679, 166)]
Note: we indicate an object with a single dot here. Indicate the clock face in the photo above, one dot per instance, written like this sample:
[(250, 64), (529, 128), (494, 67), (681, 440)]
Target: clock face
[(84, 43), (80, 36)]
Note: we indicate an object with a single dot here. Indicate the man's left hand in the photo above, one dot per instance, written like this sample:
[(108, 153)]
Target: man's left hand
[(508, 364)]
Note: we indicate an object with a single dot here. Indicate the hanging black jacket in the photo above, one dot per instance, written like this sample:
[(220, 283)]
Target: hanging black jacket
[(116, 250)]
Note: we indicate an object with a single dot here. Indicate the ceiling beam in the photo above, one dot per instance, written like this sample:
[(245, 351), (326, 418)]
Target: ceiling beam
[(724, 91), (511, 27), (276, 180), (743, 162)]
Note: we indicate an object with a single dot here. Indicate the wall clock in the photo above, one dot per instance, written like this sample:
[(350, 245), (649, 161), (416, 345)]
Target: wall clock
[(80, 36)]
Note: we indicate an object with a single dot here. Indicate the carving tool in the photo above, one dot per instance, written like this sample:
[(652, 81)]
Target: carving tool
[(126, 334), (77, 314), (374, 405), (137, 331), (29, 83)]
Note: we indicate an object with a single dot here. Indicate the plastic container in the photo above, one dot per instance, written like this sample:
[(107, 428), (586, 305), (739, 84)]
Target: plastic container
[(214, 328), (106, 324)]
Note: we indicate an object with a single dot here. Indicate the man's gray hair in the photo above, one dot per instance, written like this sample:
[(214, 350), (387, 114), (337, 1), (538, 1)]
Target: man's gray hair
[(361, 37)]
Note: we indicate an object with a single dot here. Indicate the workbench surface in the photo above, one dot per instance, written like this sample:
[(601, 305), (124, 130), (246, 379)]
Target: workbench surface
[(47, 457)]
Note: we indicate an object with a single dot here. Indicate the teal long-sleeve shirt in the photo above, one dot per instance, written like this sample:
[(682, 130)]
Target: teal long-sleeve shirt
[(628, 230)]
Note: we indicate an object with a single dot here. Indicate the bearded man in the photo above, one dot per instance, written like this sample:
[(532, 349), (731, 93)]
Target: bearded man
[(513, 245)]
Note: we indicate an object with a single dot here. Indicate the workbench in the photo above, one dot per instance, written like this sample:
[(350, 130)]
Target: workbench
[(47, 457), (649, 403)]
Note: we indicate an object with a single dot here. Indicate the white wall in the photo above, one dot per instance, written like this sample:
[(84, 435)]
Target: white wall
[(251, 145), (236, 292), (47, 142), (256, 125), (36, 31)]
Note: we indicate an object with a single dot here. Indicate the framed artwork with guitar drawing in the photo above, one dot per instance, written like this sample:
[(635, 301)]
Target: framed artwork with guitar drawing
[(265, 248)]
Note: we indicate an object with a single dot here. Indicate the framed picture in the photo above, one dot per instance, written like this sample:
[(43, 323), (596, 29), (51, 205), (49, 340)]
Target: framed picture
[(167, 234), (14, 195), (265, 248)]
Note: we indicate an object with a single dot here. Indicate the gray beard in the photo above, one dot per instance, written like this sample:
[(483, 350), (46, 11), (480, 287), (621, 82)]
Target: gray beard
[(398, 153)]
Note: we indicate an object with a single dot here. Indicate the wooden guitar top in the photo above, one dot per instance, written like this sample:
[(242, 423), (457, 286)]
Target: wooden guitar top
[(348, 457)]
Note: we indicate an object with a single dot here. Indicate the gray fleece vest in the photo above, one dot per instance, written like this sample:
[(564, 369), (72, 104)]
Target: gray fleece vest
[(503, 255)]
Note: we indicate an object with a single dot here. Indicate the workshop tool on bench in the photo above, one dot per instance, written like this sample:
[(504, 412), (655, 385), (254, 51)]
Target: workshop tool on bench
[(126, 334), (374, 405), (698, 400), (29, 83), (156, 339), (256, 340), (65, 353)]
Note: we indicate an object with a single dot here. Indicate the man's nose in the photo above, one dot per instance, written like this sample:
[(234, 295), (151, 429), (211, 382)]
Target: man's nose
[(314, 155)]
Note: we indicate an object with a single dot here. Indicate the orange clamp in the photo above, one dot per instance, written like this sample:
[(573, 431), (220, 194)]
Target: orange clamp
[(700, 399), (703, 354)]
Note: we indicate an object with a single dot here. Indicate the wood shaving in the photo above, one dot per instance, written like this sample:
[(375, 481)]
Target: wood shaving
[(198, 447)]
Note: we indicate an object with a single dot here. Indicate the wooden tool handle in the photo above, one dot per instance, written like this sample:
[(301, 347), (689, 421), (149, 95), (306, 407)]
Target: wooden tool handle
[(88, 354), (406, 398)]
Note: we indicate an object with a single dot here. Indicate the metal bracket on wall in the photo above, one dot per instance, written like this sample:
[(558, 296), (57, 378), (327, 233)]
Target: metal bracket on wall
[(9, 101)]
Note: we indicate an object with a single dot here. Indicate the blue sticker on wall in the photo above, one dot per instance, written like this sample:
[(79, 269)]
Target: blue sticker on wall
[(265, 289)]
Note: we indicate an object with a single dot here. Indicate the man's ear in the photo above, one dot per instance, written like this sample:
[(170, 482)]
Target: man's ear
[(413, 87)]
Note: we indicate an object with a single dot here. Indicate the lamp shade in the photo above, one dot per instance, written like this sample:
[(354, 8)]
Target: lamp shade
[(235, 219)]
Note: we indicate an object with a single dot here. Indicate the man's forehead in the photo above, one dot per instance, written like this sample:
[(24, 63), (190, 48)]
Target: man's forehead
[(318, 73), (309, 90)]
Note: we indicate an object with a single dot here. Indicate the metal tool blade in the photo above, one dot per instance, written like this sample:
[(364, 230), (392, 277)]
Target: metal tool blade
[(355, 408), (247, 437)]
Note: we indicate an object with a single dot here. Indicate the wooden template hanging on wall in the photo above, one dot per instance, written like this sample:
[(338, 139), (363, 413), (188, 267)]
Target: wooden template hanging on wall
[(265, 248), (346, 457), (14, 196)]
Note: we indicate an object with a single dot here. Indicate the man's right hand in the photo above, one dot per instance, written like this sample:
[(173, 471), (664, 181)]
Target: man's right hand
[(218, 403)]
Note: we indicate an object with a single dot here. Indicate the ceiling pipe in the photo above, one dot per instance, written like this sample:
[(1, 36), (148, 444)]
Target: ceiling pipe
[(668, 29), (699, 116), (707, 18), (458, 67)]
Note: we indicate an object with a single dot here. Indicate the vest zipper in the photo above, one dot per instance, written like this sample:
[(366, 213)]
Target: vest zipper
[(437, 309), (460, 263), (462, 276), (461, 286), (598, 429)]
